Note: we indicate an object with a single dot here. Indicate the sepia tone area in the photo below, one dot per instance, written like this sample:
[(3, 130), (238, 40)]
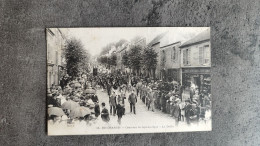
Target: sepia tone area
[(235, 65), (145, 80)]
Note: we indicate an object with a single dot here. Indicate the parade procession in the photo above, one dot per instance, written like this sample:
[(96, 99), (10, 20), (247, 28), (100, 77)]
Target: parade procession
[(134, 83)]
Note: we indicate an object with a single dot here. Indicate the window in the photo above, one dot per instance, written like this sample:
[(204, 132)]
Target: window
[(173, 53), (186, 56), (204, 54)]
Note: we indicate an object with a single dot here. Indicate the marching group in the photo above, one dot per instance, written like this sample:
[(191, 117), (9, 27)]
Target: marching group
[(166, 97), (76, 99)]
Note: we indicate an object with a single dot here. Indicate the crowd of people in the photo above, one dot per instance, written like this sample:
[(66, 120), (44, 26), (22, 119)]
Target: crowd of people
[(156, 95)]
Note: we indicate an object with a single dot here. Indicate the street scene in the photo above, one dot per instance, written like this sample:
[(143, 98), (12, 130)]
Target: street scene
[(128, 80)]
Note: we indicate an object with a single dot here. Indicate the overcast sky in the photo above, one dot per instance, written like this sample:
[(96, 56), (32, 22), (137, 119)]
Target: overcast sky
[(94, 39)]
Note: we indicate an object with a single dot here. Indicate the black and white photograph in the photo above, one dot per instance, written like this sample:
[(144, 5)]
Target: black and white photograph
[(122, 80)]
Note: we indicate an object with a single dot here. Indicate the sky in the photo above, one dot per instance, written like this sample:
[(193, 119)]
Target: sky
[(94, 39)]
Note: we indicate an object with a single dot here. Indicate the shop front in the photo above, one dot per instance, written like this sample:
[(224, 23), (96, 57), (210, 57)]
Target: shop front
[(173, 75), (196, 81)]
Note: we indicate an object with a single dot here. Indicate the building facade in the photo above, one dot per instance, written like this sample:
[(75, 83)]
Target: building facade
[(170, 62), (156, 44), (56, 63), (196, 63)]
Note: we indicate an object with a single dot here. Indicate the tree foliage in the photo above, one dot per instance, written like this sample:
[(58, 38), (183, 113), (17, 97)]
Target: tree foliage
[(125, 59), (76, 57), (135, 57), (149, 61), (120, 42), (108, 60), (113, 60)]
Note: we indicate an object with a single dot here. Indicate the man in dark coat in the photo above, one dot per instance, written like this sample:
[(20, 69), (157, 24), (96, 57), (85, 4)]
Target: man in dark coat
[(120, 112), (132, 99), (94, 98), (109, 87), (104, 113), (97, 108), (112, 103), (176, 112), (188, 111)]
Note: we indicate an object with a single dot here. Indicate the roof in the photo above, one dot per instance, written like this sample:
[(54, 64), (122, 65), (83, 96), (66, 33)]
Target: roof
[(204, 36), (157, 39), (170, 44)]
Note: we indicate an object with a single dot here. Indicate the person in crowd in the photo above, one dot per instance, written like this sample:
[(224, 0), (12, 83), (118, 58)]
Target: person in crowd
[(188, 111), (138, 87), (182, 112), (52, 100), (168, 103), (151, 100), (109, 88), (132, 99), (121, 100), (104, 113), (112, 103), (176, 112), (119, 112), (163, 102), (94, 98), (96, 101), (52, 88), (147, 99)]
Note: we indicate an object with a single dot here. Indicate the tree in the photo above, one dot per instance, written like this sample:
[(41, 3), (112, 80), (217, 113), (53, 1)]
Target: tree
[(135, 58), (103, 60), (113, 59), (107, 48), (120, 43), (125, 59), (149, 61), (76, 57)]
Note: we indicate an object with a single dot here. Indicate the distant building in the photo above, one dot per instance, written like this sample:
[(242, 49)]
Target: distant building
[(170, 62), (156, 44), (196, 62), (56, 63)]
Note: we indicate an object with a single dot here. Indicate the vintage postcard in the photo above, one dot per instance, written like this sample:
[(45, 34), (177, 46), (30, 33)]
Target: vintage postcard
[(122, 80)]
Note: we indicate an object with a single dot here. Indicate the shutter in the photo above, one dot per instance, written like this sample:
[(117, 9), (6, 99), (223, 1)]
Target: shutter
[(206, 54), (189, 57), (201, 61), (184, 57)]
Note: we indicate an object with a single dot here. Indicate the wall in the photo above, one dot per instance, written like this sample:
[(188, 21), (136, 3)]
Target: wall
[(156, 48), (55, 44), (194, 58), (235, 65), (170, 62)]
